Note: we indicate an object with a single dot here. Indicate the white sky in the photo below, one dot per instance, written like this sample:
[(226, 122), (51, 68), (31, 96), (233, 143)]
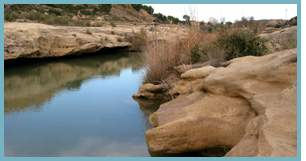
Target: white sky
[(230, 12)]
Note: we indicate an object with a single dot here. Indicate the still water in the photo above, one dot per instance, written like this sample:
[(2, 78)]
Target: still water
[(75, 107)]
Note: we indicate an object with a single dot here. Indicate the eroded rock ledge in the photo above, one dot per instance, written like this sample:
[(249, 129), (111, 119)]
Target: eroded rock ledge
[(248, 106), (34, 40)]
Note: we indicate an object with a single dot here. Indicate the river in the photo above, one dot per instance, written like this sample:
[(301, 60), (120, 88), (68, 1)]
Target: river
[(75, 107)]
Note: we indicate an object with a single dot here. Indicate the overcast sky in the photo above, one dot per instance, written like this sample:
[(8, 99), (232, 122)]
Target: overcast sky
[(230, 12)]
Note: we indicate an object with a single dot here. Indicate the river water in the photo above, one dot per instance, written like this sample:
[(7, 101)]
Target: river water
[(75, 107)]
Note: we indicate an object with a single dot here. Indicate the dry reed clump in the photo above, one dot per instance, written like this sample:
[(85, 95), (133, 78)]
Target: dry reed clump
[(162, 56)]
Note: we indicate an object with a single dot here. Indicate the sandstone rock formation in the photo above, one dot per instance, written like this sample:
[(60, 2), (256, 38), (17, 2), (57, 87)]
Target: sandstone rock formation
[(151, 91), (282, 39), (198, 73), (248, 106), (34, 40)]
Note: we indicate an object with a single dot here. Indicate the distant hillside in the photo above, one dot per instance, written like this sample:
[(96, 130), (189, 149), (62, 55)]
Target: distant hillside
[(79, 14)]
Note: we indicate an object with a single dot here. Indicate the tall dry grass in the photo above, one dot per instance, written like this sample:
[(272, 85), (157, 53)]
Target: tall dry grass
[(162, 56)]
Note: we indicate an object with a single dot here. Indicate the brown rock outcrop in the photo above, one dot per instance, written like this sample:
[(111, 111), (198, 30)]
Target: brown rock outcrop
[(248, 106), (33, 40)]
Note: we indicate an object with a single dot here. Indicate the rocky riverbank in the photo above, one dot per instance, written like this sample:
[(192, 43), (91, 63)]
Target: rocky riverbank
[(248, 106), (35, 40), (243, 107)]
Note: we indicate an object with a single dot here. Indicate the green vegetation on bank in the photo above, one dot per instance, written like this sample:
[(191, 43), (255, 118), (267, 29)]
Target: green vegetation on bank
[(241, 43), (56, 14), (148, 9), (81, 14), (166, 19), (199, 47)]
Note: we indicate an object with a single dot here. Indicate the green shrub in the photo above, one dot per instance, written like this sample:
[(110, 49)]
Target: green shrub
[(56, 14), (55, 11), (160, 17), (32, 15), (241, 43), (10, 16), (227, 45), (166, 19), (148, 9), (174, 20), (196, 53)]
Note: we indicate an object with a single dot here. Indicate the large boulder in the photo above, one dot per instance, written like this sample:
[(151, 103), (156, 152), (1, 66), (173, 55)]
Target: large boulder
[(248, 106), (193, 125)]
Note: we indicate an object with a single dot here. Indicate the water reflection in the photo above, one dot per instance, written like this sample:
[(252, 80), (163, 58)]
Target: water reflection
[(75, 107), (32, 85)]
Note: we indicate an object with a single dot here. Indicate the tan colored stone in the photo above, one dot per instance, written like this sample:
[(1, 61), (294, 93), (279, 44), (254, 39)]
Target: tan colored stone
[(198, 72), (249, 106), (33, 40), (191, 125), (151, 91), (282, 39)]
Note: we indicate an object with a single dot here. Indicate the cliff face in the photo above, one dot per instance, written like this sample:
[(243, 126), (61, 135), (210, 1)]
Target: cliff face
[(249, 106)]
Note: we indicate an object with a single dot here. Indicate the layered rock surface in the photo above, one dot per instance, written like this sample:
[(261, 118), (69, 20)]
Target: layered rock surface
[(34, 40), (248, 106)]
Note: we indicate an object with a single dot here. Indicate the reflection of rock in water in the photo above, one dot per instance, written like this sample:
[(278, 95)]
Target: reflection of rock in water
[(148, 106), (151, 96), (32, 85)]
